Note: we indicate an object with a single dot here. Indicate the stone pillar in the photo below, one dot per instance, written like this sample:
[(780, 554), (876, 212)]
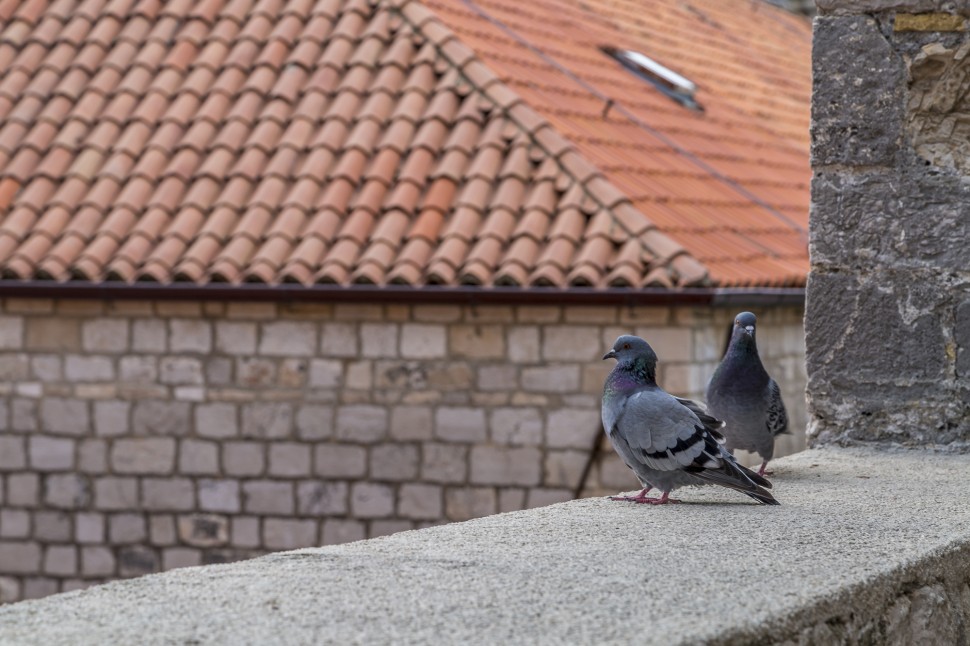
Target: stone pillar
[(888, 310)]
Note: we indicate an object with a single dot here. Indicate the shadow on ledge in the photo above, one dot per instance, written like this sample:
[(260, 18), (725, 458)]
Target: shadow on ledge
[(869, 546)]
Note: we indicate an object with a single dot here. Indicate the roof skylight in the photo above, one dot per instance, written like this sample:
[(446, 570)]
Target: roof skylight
[(674, 85)]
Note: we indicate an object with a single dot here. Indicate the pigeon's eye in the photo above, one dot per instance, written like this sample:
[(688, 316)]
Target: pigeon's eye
[(737, 321), (626, 346)]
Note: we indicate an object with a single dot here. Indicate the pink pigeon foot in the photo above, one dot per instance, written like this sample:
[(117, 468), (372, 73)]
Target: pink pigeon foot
[(640, 497), (763, 470)]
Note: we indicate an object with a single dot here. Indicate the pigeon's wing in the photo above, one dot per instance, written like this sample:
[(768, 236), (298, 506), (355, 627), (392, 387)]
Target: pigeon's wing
[(710, 422), (666, 434), (776, 417)]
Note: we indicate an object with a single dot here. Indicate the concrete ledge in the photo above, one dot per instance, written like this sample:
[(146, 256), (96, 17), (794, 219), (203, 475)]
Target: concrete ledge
[(868, 546)]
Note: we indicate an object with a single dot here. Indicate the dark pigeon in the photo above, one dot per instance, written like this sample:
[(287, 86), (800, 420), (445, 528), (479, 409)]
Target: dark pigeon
[(745, 397), (668, 442)]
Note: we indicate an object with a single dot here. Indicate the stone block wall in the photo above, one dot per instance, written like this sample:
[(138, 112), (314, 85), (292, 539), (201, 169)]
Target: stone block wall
[(144, 436), (888, 317)]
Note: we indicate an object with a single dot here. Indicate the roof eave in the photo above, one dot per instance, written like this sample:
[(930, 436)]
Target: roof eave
[(714, 296)]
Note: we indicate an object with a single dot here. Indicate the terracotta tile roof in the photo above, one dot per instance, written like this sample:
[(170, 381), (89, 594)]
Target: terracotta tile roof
[(403, 142)]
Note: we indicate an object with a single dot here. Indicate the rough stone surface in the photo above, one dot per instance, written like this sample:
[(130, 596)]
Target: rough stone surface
[(885, 327), (897, 575)]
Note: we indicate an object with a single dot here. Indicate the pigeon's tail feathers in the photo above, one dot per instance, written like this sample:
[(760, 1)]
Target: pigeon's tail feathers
[(753, 476), (744, 485)]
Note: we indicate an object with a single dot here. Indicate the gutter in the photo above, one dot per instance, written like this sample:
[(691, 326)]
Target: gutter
[(257, 292)]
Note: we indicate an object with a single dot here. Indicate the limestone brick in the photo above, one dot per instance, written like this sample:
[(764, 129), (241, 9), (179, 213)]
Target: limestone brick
[(203, 530), (255, 373), (218, 420), (511, 499), (111, 417), (51, 453), (65, 416), (47, 367), (185, 309), (243, 458), (338, 340), (447, 463), (316, 498), (339, 461), (23, 415), (14, 368), (411, 423), (436, 313), (420, 501), (325, 373), (198, 457), (13, 453), (289, 459), (292, 373), (564, 468), (538, 314), (542, 497), (477, 341), (136, 560), (388, 527), (97, 561), (516, 426), (190, 336), (52, 526), (219, 495), (371, 500), (28, 305), (505, 466), (288, 534), (105, 335), (267, 420), (460, 424), (89, 528), (144, 455), (127, 528), (218, 371), (54, 333), (268, 497), (314, 422), (551, 379), (378, 341), (111, 493), (490, 314), (92, 456), (573, 428), (149, 335), (465, 503), (88, 368), (60, 560), (161, 530), (251, 311), (67, 491), (180, 370), (359, 375), (138, 369), (394, 462), (167, 494), (176, 557), (423, 341), (244, 531), (23, 489), (361, 423), (590, 314), (570, 343), (523, 344), (14, 523), (287, 338), (337, 531), (644, 315)]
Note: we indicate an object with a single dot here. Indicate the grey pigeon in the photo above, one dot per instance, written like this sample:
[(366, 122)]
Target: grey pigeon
[(668, 442), (745, 397)]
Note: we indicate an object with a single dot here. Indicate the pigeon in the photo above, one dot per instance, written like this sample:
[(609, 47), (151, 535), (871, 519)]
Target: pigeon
[(743, 395), (667, 441)]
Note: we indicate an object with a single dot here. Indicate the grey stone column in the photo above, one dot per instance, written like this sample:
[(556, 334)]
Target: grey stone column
[(888, 311)]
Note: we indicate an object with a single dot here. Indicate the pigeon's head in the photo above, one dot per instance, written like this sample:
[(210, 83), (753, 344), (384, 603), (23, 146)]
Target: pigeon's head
[(629, 348), (745, 323)]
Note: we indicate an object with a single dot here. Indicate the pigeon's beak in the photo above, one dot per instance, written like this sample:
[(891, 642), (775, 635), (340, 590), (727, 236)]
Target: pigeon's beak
[(609, 355), (749, 329)]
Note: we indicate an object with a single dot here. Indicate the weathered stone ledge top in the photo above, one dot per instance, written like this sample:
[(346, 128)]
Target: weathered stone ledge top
[(854, 525), (905, 6)]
